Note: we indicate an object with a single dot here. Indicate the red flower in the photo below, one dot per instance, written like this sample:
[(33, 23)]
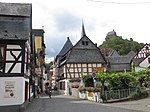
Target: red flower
[(75, 85)]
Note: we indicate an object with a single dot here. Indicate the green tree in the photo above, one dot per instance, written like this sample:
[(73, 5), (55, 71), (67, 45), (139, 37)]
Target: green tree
[(122, 46), (48, 65)]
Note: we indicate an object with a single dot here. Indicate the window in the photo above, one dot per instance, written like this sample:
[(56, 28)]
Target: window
[(148, 60), (62, 85), (85, 43)]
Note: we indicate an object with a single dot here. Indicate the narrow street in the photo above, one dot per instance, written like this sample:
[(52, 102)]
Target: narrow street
[(61, 103)]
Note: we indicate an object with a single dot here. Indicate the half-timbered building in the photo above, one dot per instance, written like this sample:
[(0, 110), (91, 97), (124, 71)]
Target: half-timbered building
[(142, 58), (81, 59), (116, 62), (15, 50), (39, 45)]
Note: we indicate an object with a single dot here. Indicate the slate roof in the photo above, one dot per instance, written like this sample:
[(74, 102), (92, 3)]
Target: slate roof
[(120, 63), (67, 46), (114, 53), (119, 59), (16, 9), (15, 21), (145, 51), (85, 56), (121, 68), (37, 32), (14, 30), (137, 61), (131, 54), (85, 51)]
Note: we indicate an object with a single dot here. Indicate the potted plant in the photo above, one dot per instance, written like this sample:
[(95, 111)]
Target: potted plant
[(93, 93), (90, 89), (75, 91), (82, 89)]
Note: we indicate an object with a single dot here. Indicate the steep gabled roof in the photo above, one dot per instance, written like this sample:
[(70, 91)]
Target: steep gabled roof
[(114, 53), (137, 61), (15, 21), (85, 51), (67, 46), (14, 30), (131, 54), (119, 59), (15, 9), (120, 63), (142, 54)]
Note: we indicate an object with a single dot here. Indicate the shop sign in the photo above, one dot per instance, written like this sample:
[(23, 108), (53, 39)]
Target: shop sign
[(9, 89)]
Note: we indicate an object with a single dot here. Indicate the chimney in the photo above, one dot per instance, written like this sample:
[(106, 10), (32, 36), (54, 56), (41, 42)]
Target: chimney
[(96, 44)]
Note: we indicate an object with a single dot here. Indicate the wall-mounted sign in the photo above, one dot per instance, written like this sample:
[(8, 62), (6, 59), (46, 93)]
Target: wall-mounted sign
[(9, 89), (99, 69)]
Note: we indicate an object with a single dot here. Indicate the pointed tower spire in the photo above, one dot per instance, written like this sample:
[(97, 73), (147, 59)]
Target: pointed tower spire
[(83, 30)]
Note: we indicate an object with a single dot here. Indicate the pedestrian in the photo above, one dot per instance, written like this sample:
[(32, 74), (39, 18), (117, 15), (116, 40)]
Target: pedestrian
[(38, 91), (50, 91)]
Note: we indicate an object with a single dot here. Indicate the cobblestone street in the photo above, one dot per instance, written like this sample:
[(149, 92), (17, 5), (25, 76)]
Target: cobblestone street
[(60, 103)]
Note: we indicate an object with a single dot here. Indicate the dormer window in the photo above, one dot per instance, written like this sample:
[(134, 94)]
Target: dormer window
[(85, 43)]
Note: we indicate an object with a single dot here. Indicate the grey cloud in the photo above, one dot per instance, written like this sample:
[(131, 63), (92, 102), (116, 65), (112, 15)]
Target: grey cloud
[(67, 24), (67, 21), (54, 43)]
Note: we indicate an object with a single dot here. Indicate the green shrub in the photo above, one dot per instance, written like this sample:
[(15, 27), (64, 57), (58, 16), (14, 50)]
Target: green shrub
[(139, 93)]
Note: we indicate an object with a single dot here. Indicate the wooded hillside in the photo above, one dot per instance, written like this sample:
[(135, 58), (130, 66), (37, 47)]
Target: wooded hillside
[(122, 46)]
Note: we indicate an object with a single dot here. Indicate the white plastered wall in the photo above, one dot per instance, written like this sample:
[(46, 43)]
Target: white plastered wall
[(15, 85)]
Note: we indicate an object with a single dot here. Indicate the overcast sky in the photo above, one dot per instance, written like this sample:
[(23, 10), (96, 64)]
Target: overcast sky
[(63, 18)]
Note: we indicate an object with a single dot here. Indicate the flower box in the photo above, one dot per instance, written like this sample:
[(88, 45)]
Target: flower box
[(93, 96), (74, 85)]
